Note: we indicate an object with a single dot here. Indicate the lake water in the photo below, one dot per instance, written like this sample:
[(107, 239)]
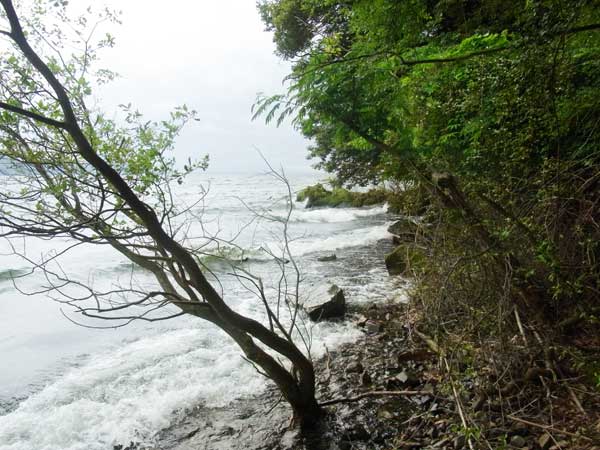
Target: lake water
[(66, 387)]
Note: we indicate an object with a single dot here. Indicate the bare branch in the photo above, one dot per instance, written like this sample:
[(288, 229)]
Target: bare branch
[(33, 115)]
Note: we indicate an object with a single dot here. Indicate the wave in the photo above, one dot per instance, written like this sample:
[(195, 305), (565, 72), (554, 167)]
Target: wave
[(336, 215), (130, 393), (136, 390), (302, 215), (352, 238)]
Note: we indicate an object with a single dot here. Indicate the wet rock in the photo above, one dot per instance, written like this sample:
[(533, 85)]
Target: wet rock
[(327, 258), (333, 308), (395, 262), (132, 446), (356, 433), (354, 367), (404, 258), (360, 321)]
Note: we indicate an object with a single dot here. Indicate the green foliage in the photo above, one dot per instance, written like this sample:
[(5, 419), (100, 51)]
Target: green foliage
[(318, 196), (503, 96), (46, 158)]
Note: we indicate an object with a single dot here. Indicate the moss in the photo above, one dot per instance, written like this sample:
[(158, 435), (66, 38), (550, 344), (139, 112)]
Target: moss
[(395, 262), (318, 196)]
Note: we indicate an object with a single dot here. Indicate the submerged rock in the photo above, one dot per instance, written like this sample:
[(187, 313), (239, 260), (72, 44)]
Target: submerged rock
[(327, 258), (333, 308)]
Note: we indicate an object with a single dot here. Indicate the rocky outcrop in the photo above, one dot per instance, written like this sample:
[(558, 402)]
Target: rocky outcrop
[(404, 230), (404, 258), (317, 196)]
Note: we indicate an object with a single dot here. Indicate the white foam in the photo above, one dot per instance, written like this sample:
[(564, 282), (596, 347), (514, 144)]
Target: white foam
[(130, 393), (351, 238), (133, 391)]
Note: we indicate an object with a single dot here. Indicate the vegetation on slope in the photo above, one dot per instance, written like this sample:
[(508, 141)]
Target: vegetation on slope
[(487, 111)]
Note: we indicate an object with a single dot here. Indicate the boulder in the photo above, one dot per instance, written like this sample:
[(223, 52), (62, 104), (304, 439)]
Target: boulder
[(395, 262), (403, 258), (333, 308)]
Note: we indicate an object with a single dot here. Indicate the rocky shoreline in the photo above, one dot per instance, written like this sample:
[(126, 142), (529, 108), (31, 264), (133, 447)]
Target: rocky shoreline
[(401, 407), (371, 364), (385, 391)]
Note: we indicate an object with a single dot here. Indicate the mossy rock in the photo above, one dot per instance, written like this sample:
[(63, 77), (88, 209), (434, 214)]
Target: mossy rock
[(404, 259), (317, 196), (395, 262)]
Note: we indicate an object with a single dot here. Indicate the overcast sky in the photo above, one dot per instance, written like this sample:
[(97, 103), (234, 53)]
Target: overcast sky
[(215, 56)]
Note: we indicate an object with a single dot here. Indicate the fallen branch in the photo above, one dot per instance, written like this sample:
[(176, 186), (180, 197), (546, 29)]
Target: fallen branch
[(372, 394), (550, 428), (430, 342)]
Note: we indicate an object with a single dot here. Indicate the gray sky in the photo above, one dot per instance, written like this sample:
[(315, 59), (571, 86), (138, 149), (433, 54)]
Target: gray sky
[(215, 56)]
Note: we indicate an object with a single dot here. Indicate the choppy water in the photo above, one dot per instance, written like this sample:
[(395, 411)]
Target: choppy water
[(64, 387)]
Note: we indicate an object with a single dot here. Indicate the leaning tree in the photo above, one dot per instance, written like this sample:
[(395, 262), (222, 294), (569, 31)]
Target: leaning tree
[(74, 173)]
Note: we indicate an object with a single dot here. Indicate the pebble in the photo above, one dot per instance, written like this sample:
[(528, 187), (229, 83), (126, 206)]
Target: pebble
[(517, 441)]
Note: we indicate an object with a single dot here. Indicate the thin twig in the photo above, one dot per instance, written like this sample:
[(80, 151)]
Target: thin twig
[(520, 325), (459, 407)]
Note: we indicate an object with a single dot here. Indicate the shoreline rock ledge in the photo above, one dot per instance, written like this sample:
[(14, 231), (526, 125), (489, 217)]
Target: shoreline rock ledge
[(326, 303)]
